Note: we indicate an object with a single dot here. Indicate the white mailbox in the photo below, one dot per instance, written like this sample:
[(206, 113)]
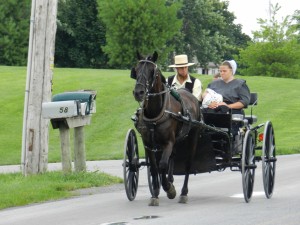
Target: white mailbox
[(70, 109), (63, 109)]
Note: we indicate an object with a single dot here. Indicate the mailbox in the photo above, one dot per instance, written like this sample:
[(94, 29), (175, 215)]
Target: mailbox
[(70, 108), (65, 109), (86, 99)]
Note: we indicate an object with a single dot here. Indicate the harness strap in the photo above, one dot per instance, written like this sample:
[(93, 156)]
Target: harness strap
[(175, 94)]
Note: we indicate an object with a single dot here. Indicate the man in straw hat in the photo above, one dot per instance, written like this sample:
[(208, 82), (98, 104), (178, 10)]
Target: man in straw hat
[(182, 79)]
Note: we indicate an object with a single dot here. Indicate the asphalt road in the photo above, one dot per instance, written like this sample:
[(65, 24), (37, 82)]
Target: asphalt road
[(214, 198)]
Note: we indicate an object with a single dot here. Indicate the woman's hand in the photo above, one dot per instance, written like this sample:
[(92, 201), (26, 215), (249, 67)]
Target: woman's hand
[(214, 105)]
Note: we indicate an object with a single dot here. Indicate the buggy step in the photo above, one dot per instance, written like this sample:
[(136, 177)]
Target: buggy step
[(273, 159), (252, 166)]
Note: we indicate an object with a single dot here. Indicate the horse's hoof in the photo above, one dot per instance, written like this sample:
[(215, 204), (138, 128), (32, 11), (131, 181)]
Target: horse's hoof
[(183, 199), (171, 193), (154, 202)]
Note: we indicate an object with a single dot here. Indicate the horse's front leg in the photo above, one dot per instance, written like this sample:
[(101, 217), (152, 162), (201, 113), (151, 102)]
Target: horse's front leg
[(171, 169), (164, 168)]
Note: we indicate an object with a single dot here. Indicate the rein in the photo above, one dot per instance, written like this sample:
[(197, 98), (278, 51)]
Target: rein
[(159, 93)]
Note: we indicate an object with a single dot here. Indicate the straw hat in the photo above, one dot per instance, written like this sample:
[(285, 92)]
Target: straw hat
[(181, 61)]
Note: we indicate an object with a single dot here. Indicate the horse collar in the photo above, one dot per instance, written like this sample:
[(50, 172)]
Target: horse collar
[(162, 116)]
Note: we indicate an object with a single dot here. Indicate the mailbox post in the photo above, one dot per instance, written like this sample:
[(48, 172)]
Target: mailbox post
[(66, 159), (71, 110)]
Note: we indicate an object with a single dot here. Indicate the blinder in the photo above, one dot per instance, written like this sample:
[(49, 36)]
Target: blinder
[(133, 73)]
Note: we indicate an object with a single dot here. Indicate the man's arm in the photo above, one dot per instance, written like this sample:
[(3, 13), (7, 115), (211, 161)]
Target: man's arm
[(197, 89)]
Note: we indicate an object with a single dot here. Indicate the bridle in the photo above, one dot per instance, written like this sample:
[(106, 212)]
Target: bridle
[(148, 87)]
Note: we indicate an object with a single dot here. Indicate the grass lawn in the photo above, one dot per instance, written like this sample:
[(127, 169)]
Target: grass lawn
[(17, 190), (278, 101)]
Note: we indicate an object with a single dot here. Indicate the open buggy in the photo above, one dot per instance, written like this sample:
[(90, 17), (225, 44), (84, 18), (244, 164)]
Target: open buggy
[(180, 139)]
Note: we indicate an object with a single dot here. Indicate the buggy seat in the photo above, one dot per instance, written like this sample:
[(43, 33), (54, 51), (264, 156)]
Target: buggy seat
[(225, 120), (233, 124)]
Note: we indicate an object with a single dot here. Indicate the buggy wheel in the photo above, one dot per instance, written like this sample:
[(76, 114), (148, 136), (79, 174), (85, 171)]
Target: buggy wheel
[(248, 165), (268, 159), (131, 165), (150, 179)]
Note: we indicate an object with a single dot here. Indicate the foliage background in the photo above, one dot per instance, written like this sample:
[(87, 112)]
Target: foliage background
[(14, 32), (107, 34), (275, 50), (80, 35), (143, 26)]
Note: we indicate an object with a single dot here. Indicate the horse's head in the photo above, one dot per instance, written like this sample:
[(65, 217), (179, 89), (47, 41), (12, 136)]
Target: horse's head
[(145, 75)]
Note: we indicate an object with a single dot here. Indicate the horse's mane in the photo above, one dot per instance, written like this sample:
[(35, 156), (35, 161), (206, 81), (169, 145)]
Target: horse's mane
[(163, 79)]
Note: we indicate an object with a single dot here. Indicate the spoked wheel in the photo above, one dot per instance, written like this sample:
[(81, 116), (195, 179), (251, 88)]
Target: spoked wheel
[(268, 159), (150, 179), (248, 165), (131, 165)]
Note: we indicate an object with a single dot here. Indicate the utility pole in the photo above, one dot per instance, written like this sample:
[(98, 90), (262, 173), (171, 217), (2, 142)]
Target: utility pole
[(40, 63)]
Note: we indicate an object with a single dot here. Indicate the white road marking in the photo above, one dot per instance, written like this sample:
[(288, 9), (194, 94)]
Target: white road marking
[(253, 194)]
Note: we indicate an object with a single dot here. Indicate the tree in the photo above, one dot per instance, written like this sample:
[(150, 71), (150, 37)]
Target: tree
[(80, 35), (236, 39), (138, 25), (14, 32), (199, 39), (208, 32), (275, 50), (296, 18)]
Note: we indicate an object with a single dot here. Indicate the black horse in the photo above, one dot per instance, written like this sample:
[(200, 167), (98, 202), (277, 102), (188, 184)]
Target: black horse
[(159, 127)]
